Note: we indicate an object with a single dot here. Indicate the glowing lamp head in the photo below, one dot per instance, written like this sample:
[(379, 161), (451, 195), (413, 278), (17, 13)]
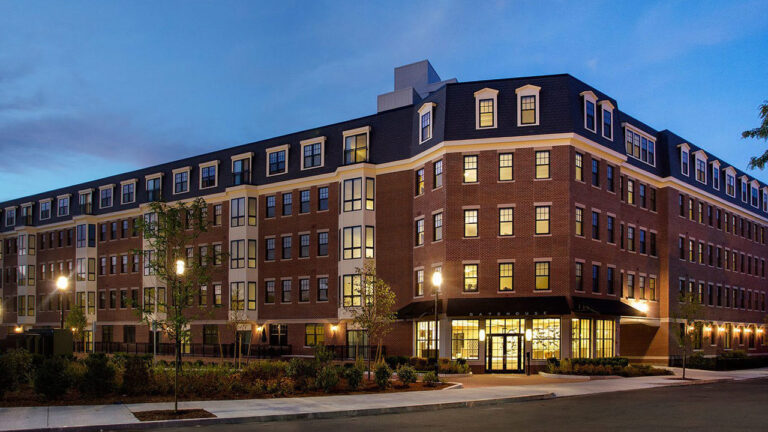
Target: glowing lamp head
[(437, 279), (62, 283), (73, 329), (334, 328), (180, 265), (641, 306), (18, 329), (482, 335)]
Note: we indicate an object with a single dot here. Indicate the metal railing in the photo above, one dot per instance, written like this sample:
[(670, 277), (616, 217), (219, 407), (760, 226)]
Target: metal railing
[(352, 352)]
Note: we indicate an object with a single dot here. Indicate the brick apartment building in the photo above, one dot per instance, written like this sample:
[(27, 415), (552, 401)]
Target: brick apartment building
[(561, 225)]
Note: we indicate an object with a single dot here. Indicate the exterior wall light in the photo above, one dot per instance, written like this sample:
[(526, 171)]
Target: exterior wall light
[(334, 328), (528, 335), (180, 264), (482, 335)]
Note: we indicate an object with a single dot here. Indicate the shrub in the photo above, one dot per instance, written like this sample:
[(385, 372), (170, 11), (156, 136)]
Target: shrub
[(395, 361), (327, 378), (419, 363), (406, 374), (382, 375), (99, 377), (431, 379), (17, 364), (323, 355), (354, 376), (265, 370), (51, 378), (135, 375)]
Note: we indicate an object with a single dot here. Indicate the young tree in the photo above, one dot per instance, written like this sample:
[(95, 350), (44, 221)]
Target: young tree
[(684, 325), (760, 132), (376, 312), (168, 229), (237, 320), (77, 322)]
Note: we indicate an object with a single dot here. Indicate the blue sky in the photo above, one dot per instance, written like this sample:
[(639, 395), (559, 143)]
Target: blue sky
[(153, 81)]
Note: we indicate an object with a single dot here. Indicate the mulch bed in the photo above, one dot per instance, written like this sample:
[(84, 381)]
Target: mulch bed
[(27, 397), (172, 415)]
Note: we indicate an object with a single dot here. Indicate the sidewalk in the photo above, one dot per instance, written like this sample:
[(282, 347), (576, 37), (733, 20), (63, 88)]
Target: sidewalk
[(95, 417)]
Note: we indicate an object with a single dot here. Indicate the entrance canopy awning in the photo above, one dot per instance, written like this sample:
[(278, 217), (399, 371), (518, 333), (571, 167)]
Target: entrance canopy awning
[(419, 309), (596, 306), (517, 306), (508, 306)]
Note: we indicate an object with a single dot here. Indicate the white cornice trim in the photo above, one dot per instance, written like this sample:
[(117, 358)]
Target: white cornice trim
[(606, 103), (357, 131), (108, 186), (638, 131), (181, 169), (486, 91), (133, 180), (242, 156)]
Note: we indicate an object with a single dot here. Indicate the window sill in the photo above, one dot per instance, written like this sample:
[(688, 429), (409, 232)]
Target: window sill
[(499, 236), (542, 179), (542, 235), (548, 290)]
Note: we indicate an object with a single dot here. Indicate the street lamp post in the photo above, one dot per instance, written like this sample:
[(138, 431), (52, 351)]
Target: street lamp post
[(61, 284), (437, 280)]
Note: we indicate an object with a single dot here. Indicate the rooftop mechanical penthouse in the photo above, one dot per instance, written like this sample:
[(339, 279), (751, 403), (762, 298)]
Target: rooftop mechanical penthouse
[(549, 212)]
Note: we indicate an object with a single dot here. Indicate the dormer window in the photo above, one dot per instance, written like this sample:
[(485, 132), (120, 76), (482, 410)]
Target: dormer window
[(26, 214), (277, 160), (639, 145), (209, 177), (312, 153), (105, 196), (527, 105), (45, 209), (486, 102), (701, 166), (356, 145), (730, 182), (10, 216), (63, 205), (744, 188), (716, 175), (241, 168), (154, 187), (86, 201), (765, 199), (589, 110), (181, 180), (128, 191), (606, 108), (425, 122), (685, 159), (755, 194)]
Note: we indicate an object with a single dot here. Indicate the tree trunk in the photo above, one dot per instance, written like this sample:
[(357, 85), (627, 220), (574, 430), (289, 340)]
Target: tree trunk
[(684, 356), (176, 379)]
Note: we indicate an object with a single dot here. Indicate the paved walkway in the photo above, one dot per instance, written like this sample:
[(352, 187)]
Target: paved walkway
[(95, 417)]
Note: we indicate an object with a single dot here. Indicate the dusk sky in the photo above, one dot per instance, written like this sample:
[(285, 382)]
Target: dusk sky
[(91, 89)]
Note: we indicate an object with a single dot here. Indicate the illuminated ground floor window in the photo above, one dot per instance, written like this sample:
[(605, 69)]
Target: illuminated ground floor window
[(581, 338), (604, 338), (546, 338), (504, 326), (425, 338), (465, 339)]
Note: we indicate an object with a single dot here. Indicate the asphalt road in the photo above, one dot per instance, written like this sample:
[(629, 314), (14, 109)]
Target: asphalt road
[(731, 406)]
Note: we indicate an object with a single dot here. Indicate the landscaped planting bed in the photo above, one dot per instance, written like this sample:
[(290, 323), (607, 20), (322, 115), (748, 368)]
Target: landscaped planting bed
[(97, 379), (603, 366)]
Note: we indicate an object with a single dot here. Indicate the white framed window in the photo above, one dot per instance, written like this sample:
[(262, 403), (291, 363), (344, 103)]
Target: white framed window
[(701, 166), (181, 180), (528, 105), (486, 108), (744, 188), (209, 174), (105, 195), (716, 175), (606, 110), (425, 121), (128, 191), (45, 209), (754, 194), (590, 110), (312, 153), (765, 199), (62, 205), (277, 160), (10, 216), (241, 168), (730, 182), (685, 159), (356, 145), (154, 186)]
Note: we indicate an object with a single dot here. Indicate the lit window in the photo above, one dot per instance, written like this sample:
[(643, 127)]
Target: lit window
[(465, 340), (369, 241), (470, 169), (370, 193), (507, 277), (419, 281), (486, 113), (352, 242), (353, 195), (542, 275), (506, 221), (579, 164), (356, 148), (470, 277), (419, 232), (420, 181), (579, 221), (701, 170), (546, 339), (470, 223), (351, 292), (528, 110), (314, 334), (581, 338), (542, 220), (506, 166), (604, 338), (425, 338), (542, 164)]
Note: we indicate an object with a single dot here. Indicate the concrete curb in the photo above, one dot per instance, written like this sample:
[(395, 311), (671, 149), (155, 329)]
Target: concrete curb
[(297, 416)]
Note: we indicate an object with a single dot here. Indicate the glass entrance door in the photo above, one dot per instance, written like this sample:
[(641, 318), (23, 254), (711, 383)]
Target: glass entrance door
[(504, 353)]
